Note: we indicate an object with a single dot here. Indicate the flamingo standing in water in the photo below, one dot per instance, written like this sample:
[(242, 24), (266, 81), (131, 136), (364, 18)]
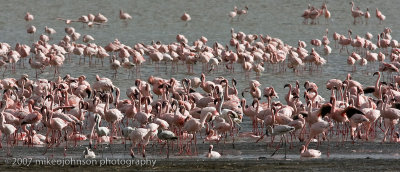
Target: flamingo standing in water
[(327, 14), (309, 153), (281, 130), (88, 153), (31, 30), (101, 131), (112, 116), (243, 11), (32, 118), (166, 135), (233, 13), (306, 14), (8, 130), (194, 125), (367, 15), (115, 65), (49, 31), (186, 17), (355, 13), (124, 16), (212, 154), (380, 16), (54, 124), (28, 17)]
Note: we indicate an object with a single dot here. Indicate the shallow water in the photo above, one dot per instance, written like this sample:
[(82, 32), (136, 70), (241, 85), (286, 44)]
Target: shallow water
[(155, 20), (160, 20), (254, 156)]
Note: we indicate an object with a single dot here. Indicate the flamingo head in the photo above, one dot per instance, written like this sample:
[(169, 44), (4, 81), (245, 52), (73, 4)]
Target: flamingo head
[(211, 147)]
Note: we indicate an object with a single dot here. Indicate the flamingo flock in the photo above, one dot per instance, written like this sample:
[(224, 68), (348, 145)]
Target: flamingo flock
[(177, 113), (313, 13), (181, 114)]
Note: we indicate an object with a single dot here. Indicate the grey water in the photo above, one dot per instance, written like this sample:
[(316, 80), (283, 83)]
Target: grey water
[(160, 21)]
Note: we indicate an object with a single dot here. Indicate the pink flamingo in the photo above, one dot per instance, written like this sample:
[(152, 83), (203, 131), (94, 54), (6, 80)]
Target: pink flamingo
[(306, 14), (100, 18), (186, 17), (327, 14), (309, 153), (367, 15), (345, 41), (380, 16), (233, 13), (336, 37), (318, 128), (32, 118), (54, 124), (8, 130), (212, 154), (140, 136), (28, 17), (194, 125), (243, 11), (124, 16), (355, 13), (112, 116), (49, 30)]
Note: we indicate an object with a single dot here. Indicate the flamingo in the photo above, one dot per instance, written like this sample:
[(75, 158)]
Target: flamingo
[(32, 118), (167, 136), (115, 65), (186, 17), (28, 17), (212, 154), (306, 14), (327, 14), (112, 116), (317, 128), (124, 16), (380, 16), (367, 15), (243, 11), (309, 153), (8, 130), (233, 13), (140, 136), (194, 125), (87, 38), (355, 13), (54, 124), (100, 18), (281, 130), (101, 131), (88, 154)]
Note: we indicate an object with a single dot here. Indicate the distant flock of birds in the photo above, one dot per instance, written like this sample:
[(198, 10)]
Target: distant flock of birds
[(314, 13)]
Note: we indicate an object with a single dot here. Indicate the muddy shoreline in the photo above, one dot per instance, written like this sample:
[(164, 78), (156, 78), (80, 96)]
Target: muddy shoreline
[(360, 156), (236, 165)]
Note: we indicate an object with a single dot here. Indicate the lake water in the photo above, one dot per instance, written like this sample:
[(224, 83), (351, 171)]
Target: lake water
[(160, 20)]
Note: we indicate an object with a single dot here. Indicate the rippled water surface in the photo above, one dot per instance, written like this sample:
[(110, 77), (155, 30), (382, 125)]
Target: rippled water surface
[(160, 20)]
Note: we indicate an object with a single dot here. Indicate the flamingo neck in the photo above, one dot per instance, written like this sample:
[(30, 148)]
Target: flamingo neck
[(106, 105), (30, 108), (203, 119), (146, 109), (117, 98), (220, 104), (289, 93)]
